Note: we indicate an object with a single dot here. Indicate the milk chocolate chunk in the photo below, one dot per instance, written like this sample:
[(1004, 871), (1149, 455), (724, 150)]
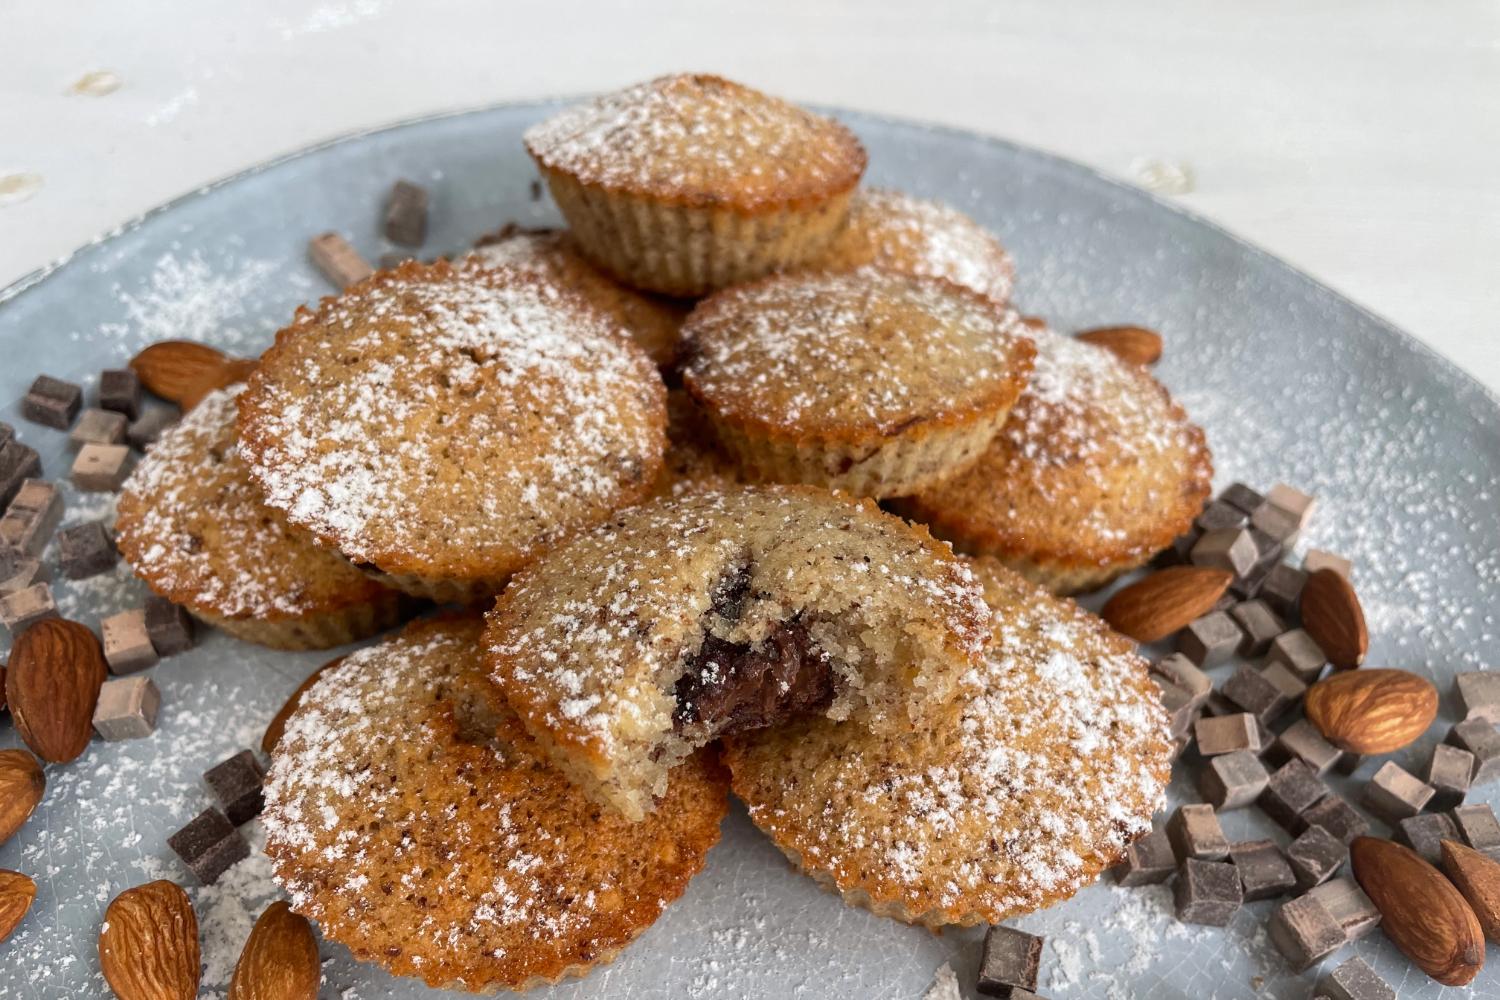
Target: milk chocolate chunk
[(209, 845), (120, 391), (98, 426), (1263, 869), (1394, 794), (51, 402), (1315, 856), (731, 688), (1210, 640), (1223, 734), (1355, 980), (169, 626), (1425, 832), (1305, 932), (127, 708), (1011, 961), (1232, 780), (127, 645), (1255, 693), (238, 783), (101, 468), (1291, 790), (1482, 740), (1147, 861), (1449, 774), (86, 550), (1207, 892), (23, 608), (1335, 815), (1346, 901), (406, 214), (340, 263)]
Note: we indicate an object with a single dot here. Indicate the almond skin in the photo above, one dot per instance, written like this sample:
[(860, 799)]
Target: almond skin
[(1166, 601), (56, 670), (16, 893), (148, 947), (277, 724), (280, 960), (1333, 617), (21, 786), (1372, 711), (1420, 910), (183, 371), (1134, 344), (1477, 876)]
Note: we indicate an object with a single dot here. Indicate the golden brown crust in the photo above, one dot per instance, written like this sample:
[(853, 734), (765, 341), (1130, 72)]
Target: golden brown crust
[(1053, 761), (410, 815), (1097, 469), (446, 425)]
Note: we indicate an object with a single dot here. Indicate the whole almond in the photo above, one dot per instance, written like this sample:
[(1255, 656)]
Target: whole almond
[(280, 960), (234, 370), (1332, 616), (183, 371), (277, 724), (16, 893), (1420, 910), (21, 786), (56, 670), (1166, 601), (148, 947), (1135, 344), (1372, 711), (1477, 876)]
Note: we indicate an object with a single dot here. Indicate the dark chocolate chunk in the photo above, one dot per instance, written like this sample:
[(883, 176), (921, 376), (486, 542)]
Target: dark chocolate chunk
[(1478, 694), (1299, 653), (1335, 815), (1226, 548), (406, 214), (1253, 692), (1347, 902), (27, 606), (1259, 624), (239, 785), (1207, 892), (1482, 740), (1425, 832), (1282, 589), (1302, 741), (1239, 495), (1479, 828), (1181, 706), (734, 688), (1011, 961), (1279, 524), (1232, 780), (52, 402), (127, 708), (1449, 774), (1292, 789), (1195, 832), (85, 550), (1305, 932), (18, 463), (1354, 980), (98, 427), (1210, 640), (1315, 856), (169, 626), (1219, 515), (1147, 861), (209, 845), (1185, 674), (1394, 794), (1220, 734), (7, 433), (120, 391), (1264, 872)]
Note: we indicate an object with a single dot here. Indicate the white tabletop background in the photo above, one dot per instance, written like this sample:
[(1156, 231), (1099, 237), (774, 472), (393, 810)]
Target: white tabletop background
[(1359, 140)]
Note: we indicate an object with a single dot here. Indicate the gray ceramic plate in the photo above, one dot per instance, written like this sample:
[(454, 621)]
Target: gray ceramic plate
[(1292, 383)]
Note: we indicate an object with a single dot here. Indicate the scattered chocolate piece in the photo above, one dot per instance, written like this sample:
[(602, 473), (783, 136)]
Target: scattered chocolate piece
[(23, 573), (1210, 640), (238, 783), (1182, 547), (127, 646), (1305, 932), (98, 427), (339, 262), (209, 845), (1449, 774), (1482, 740), (1354, 911), (1220, 515), (1195, 832), (1317, 559), (37, 510), (1282, 589), (85, 550), (1394, 794), (1280, 524), (7, 434), (1226, 548), (1259, 624), (120, 391), (406, 215), (1479, 828), (101, 468), (1264, 872), (1207, 892), (127, 708), (169, 626), (145, 429), (1245, 587), (1302, 741), (1181, 671), (1425, 832), (51, 402), (1232, 780), (1268, 552), (1299, 653), (1291, 688), (18, 463), (1227, 733), (1239, 495), (1147, 861), (1291, 790), (1354, 980), (1255, 693), (1011, 961), (22, 608), (1182, 707), (1315, 856), (1300, 505), (1478, 693), (1342, 821)]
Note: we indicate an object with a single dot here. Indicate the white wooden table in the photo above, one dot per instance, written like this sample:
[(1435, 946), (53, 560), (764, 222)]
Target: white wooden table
[(1359, 140)]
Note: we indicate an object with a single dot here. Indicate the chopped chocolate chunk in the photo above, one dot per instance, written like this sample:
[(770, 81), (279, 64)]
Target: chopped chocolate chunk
[(1293, 501), (120, 391), (1394, 794), (1282, 589), (1449, 774), (1299, 653), (1181, 707), (1479, 828), (1478, 693), (145, 429), (406, 214), (1011, 961), (1315, 856), (1285, 681), (98, 427), (22, 573), (1227, 548), (1347, 902), (1227, 733), (1305, 932), (1317, 559), (730, 688), (1259, 624), (1342, 821), (1232, 780), (1279, 524), (1264, 872), (34, 514), (1239, 495), (1425, 832), (1218, 516), (239, 785), (127, 708), (1195, 832), (169, 626), (127, 646), (1247, 586), (1302, 741), (1354, 980), (85, 550), (1268, 552), (1291, 790), (18, 463), (101, 468), (1181, 671), (51, 402), (209, 845), (25, 607), (339, 262), (1255, 693), (1482, 740), (1207, 892), (1209, 641), (1147, 861), (7, 434)]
